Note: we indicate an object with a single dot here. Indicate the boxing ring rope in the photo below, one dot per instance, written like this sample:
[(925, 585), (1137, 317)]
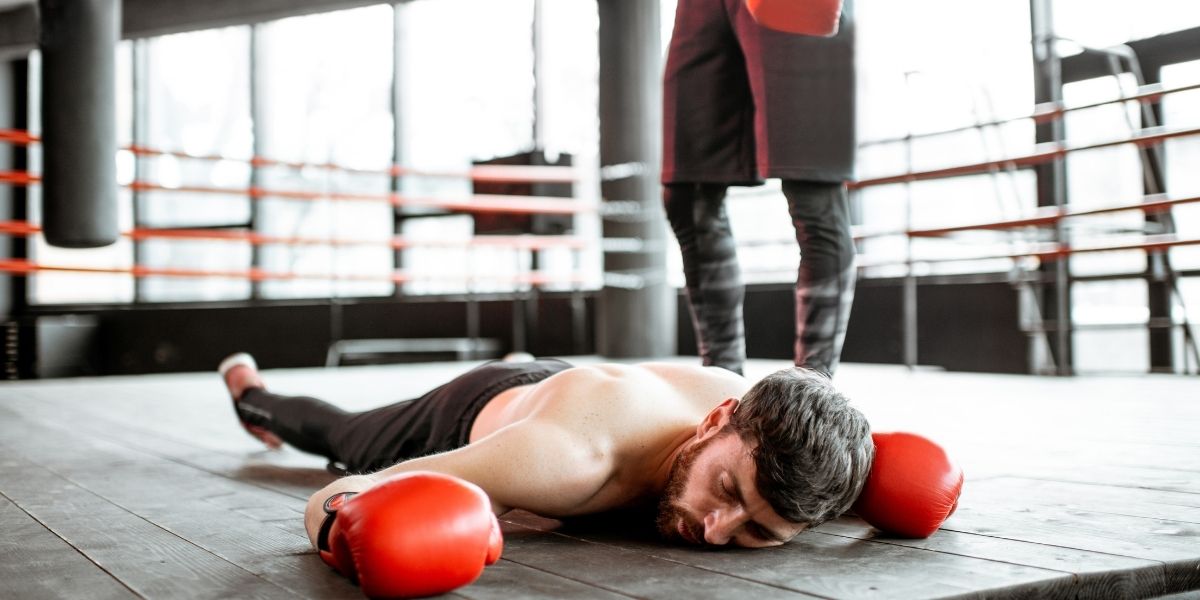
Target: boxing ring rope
[(1053, 251), (1043, 153), (520, 242), (1045, 112), (480, 173), (564, 206), (1143, 138), (535, 278), (1042, 217), (513, 204)]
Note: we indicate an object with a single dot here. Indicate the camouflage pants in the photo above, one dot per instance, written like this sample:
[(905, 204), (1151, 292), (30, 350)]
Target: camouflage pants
[(824, 285)]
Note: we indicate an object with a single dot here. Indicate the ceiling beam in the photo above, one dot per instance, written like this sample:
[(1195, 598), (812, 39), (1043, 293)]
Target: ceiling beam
[(145, 18)]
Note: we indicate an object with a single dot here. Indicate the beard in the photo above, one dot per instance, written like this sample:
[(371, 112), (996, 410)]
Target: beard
[(670, 509)]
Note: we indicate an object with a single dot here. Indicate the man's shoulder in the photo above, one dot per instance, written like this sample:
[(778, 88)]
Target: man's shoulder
[(632, 373), (614, 399)]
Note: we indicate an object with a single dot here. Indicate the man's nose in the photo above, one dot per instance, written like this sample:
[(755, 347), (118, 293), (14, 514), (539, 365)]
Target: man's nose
[(720, 524)]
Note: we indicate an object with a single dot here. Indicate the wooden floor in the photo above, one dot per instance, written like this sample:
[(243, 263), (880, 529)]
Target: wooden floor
[(146, 487)]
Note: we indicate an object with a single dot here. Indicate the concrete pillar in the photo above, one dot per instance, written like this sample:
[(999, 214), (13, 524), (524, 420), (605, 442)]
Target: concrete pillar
[(1052, 180), (636, 314)]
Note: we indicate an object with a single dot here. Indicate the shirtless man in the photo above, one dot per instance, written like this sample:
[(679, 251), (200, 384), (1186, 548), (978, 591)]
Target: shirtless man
[(723, 461)]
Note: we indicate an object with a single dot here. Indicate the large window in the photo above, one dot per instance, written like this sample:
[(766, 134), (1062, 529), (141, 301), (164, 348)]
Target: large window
[(235, 129), (1183, 180), (926, 68), (197, 102), (325, 83), (1182, 155), (461, 105)]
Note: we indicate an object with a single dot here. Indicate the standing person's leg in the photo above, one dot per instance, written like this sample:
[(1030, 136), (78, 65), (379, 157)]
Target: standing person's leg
[(710, 268), (804, 93), (825, 284), (708, 144)]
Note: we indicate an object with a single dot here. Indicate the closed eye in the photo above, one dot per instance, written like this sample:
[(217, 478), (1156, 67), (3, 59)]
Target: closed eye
[(763, 534)]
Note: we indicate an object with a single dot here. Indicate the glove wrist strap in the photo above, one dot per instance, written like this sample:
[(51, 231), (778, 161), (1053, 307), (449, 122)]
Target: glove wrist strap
[(332, 505)]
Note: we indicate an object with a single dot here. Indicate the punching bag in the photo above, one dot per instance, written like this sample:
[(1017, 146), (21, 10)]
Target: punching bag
[(78, 40)]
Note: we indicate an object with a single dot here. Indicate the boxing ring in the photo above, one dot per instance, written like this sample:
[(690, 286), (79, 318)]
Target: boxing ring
[(147, 487)]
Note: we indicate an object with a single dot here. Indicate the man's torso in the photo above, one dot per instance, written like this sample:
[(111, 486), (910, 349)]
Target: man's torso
[(630, 417)]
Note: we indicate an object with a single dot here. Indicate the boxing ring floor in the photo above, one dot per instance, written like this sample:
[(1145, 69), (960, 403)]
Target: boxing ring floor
[(145, 486)]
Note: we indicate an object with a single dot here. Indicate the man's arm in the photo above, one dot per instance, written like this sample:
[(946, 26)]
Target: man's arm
[(533, 465)]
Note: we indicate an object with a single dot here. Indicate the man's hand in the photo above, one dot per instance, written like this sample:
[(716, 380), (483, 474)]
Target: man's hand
[(415, 534), (912, 488), (314, 512)]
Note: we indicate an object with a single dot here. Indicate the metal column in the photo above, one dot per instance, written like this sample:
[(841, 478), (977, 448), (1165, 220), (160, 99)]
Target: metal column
[(636, 318), (79, 130), (1052, 179), (14, 110)]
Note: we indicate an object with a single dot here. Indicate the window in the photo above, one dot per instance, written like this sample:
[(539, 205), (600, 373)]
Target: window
[(326, 84), (1104, 176), (326, 87), (1182, 154), (197, 102), (922, 71), (1111, 317)]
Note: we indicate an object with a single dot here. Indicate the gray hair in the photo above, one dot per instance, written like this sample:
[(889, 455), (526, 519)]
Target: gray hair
[(812, 449)]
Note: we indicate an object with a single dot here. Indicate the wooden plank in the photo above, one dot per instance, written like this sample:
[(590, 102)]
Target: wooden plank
[(1192, 595), (983, 512), (627, 571), (38, 564), (1161, 505), (149, 560), (1153, 478), (187, 436), (507, 579), (238, 522), (1095, 574), (260, 531), (825, 565)]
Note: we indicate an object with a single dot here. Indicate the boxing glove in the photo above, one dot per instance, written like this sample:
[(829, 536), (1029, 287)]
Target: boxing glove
[(415, 534), (804, 17), (912, 488)]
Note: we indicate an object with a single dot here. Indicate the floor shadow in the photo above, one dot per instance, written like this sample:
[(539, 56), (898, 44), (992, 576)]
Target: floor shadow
[(301, 477)]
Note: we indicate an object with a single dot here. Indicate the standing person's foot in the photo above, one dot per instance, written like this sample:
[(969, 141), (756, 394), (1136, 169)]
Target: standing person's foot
[(240, 373)]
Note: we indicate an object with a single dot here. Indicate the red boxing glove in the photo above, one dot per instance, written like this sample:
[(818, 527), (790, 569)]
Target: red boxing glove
[(804, 17), (415, 534), (913, 486)]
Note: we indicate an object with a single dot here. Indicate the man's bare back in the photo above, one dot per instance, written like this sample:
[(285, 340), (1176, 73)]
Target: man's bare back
[(660, 391)]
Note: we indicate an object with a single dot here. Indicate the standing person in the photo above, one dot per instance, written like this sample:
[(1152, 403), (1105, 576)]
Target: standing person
[(744, 102)]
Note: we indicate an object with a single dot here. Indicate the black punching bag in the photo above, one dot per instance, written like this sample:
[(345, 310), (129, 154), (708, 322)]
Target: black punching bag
[(79, 130)]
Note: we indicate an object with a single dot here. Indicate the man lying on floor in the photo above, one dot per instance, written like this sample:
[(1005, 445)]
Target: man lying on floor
[(724, 462)]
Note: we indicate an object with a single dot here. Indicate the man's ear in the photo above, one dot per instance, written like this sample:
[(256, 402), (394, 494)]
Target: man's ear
[(717, 418)]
